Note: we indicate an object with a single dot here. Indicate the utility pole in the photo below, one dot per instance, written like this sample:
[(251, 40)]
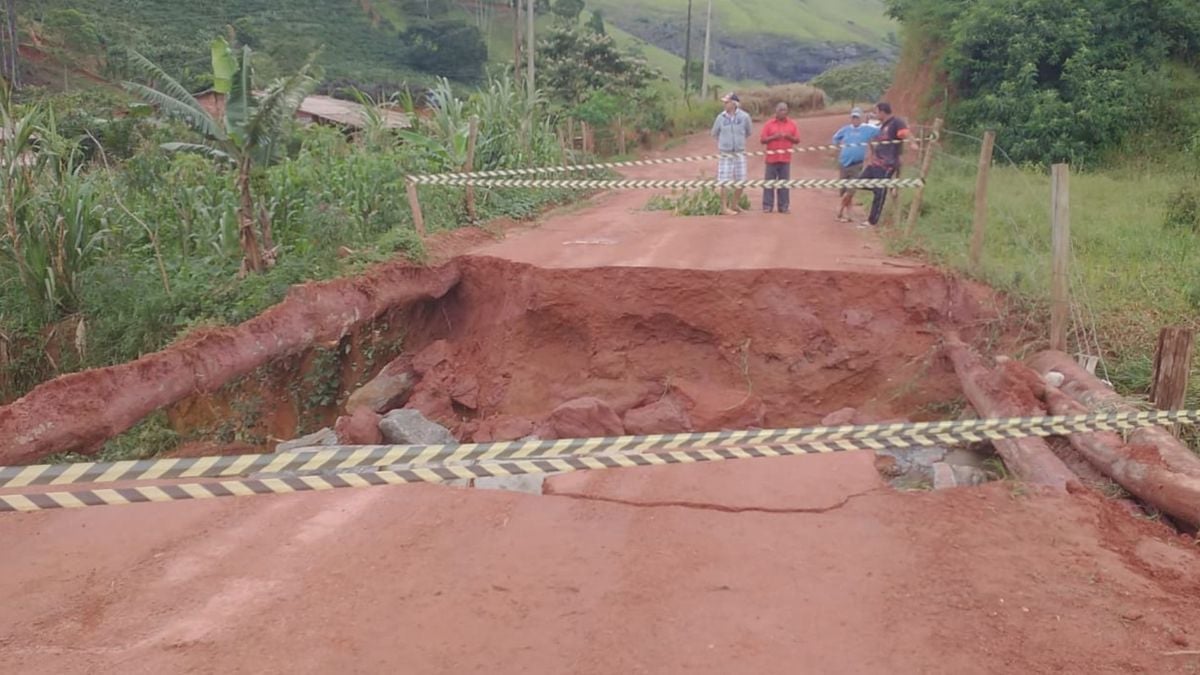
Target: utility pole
[(516, 7), (687, 54), (707, 41), (530, 48)]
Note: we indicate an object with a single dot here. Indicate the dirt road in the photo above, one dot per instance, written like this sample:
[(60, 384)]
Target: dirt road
[(791, 565)]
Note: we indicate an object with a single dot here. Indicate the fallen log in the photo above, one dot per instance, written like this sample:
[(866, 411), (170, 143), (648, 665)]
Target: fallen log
[(1095, 396), (78, 412), (992, 394), (1137, 468)]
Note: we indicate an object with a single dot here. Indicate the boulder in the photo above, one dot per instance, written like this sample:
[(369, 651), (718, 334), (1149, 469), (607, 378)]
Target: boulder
[(324, 437), (583, 418), (387, 390), (839, 418), (664, 416), (713, 408), (504, 428), (943, 476), (360, 427), (410, 427)]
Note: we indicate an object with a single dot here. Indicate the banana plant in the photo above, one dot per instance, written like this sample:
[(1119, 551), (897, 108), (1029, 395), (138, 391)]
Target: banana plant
[(247, 134)]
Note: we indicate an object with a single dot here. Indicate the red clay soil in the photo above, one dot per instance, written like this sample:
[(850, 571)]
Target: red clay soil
[(802, 564), (78, 412), (736, 349)]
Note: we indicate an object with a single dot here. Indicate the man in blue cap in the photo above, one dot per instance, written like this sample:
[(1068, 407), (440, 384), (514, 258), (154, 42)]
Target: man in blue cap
[(731, 129), (852, 138)]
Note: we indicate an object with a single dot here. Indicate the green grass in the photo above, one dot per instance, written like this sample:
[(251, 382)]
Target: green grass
[(670, 64), (861, 21), (1132, 273)]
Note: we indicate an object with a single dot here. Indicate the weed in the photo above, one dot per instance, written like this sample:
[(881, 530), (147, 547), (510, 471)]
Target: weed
[(702, 202), (152, 437)]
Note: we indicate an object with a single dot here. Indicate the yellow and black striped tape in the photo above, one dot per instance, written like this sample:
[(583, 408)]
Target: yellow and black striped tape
[(667, 184), (819, 439), (533, 171), (398, 476)]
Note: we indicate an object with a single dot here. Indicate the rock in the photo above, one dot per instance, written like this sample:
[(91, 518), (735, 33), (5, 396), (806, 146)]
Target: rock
[(712, 408), (529, 484), (969, 475), (465, 391), (431, 357), (664, 416), (323, 437), (1054, 378), (360, 427), (410, 427), (387, 390), (943, 476), (583, 418), (504, 428), (887, 466), (839, 418), (433, 403)]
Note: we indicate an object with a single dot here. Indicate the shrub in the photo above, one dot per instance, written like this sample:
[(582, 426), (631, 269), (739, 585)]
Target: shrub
[(1183, 210), (857, 82), (799, 97)]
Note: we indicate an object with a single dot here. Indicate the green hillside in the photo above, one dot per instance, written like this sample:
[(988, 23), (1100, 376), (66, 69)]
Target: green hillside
[(861, 21)]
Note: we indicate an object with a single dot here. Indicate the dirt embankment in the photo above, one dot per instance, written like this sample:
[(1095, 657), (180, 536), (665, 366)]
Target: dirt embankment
[(499, 345)]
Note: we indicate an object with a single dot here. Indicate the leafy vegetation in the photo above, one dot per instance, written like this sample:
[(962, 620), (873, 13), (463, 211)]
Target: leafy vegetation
[(106, 257), (1136, 264), (1066, 80), (702, 202), (857, 83)]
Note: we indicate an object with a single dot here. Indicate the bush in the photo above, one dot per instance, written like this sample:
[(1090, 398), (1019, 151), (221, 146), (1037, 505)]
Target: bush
[(799, 97), (1183, 210), (860, 82)]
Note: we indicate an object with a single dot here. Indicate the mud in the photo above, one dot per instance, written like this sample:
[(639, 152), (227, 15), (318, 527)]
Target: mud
[(735, 348)]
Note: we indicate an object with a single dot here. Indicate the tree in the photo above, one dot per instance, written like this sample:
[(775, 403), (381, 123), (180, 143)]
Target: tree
[(574, 64), (596, 23), (860, 82), (693, 75), (245, 136), (446, 48), (568, 11)]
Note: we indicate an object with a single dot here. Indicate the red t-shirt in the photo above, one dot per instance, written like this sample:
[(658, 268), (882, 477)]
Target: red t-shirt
[(787, 128)]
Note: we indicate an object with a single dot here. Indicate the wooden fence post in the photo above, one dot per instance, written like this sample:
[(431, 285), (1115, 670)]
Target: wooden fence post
[(621, 134), (979, 226), (470, 166), (1060, 235), (415, 204), (926, 162), (1172, 364)]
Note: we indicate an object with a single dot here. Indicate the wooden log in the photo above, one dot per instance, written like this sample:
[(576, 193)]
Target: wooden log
[(1136, 468), (1060, 240), (1172, 365), (414, 203), (979, 224), (472, 136), (994, 395), (1095, 395), (926, 164)]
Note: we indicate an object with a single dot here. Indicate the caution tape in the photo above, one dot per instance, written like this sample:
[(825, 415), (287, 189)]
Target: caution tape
[(430, 474), (816, 439), (497, 173), (666, 184)]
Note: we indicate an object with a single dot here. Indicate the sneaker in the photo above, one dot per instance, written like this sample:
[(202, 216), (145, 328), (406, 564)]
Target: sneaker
[(770, 211), (865, 225), (731, 212), (784, 211)]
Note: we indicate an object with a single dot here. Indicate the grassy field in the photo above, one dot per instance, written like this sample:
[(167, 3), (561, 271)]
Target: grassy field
[(832, 20), (1133, 272)]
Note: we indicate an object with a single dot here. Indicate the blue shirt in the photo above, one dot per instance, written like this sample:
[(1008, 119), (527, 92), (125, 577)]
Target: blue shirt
[(851, 134)]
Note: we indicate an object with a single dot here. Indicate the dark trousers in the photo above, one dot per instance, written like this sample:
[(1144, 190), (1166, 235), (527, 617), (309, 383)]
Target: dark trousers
[(880, 193), (780, 171)]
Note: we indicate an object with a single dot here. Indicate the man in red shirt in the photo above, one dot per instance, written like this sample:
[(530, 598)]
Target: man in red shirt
[(780, 133)]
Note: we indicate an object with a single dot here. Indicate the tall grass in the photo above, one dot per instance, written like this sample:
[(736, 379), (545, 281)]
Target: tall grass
[(1134, 270), (801, 98)]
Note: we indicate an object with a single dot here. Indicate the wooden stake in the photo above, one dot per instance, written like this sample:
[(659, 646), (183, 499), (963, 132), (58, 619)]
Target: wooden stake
[(415, 204), (926, 163), (1060, 234), (621, 134), (981, 187), (470, 166), (530, 49), (1172, 365)]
